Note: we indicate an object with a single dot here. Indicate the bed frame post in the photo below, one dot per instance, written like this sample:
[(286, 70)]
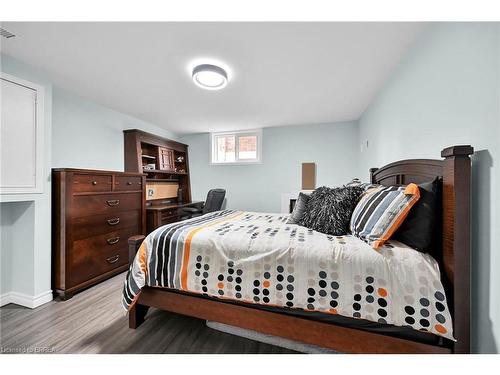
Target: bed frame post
[(137, 315), (134, 243), (137, 312), (372, 175), (456, 239)]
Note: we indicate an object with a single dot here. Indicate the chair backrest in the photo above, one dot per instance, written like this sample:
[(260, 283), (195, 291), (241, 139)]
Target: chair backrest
[(215, 198)]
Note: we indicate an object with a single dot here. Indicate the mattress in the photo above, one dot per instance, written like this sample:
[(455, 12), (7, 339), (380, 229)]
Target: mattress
[(258, 258)]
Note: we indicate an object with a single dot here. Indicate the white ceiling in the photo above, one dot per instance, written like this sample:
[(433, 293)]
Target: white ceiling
[(280, 73)]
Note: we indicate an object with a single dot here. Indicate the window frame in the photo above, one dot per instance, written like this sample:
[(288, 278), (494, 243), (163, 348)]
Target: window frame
[(237, 135)]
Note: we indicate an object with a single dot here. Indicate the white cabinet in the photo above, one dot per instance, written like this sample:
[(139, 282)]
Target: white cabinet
[(21, 136)]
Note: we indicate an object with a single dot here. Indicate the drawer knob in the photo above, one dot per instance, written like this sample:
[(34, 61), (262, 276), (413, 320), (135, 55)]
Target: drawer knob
[(94, 182), (112, 241), (114, 221), (129, 183), (113, 259), (113, 202)]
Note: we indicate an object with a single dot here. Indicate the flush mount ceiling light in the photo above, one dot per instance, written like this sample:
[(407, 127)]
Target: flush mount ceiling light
[(209, 77)]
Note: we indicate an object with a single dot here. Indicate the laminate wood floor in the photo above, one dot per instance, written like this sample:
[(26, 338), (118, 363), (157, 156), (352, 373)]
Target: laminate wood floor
[(93, 321)]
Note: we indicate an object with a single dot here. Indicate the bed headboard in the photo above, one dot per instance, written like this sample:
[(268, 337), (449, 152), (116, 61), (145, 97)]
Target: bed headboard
[(454, 242)]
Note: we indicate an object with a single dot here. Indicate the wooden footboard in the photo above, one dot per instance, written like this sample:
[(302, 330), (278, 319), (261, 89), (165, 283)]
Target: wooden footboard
[(341, 339)]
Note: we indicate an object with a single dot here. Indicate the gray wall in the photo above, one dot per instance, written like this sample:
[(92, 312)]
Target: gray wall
[(5, 245), (88, 135), (333, 147), (446, 92), (17, 220)]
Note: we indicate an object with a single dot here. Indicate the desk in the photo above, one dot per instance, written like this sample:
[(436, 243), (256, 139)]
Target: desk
[(161, 214)]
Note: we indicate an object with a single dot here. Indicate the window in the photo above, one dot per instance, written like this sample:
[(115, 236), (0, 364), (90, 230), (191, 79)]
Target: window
[(243, 147)]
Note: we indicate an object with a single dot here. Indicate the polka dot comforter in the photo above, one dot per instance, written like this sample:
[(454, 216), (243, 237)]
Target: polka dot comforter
[(258, 258)]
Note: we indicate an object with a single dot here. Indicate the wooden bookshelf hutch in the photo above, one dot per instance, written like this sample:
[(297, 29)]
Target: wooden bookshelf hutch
[(166, 165)]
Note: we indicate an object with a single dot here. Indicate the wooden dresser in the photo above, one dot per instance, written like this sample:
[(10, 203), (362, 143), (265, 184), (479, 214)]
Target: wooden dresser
[(93, 215)]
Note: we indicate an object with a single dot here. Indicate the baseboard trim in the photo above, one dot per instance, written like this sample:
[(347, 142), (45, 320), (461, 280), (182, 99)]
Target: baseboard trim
[(26, 300)]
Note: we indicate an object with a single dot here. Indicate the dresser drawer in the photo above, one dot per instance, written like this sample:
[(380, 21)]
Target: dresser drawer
[(96, 255), (85, 205), (126, 183), (87, 183), (88, 226)]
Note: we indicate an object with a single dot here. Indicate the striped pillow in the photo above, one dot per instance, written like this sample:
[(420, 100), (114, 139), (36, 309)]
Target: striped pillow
[(381, 211)]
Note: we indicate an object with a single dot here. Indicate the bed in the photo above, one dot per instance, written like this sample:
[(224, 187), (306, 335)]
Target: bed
[(255, 271)]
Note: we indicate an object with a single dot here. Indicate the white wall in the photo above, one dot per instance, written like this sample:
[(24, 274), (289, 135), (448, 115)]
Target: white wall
[(88, 135), (333, 147), (446, 92)]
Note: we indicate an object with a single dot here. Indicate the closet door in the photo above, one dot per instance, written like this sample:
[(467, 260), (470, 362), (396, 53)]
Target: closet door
[(21, 136)]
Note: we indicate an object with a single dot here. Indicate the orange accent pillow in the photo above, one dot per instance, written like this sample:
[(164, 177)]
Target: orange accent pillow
[(381, 211)]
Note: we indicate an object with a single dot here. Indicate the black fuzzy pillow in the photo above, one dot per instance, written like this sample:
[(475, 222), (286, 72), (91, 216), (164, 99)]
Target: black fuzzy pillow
[(329, 210)]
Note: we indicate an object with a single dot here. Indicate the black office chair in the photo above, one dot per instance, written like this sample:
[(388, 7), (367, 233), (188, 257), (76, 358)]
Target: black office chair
[(215, 198)]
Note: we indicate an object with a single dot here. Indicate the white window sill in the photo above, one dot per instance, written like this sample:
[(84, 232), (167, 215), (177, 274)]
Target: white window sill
[(239, 163)]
